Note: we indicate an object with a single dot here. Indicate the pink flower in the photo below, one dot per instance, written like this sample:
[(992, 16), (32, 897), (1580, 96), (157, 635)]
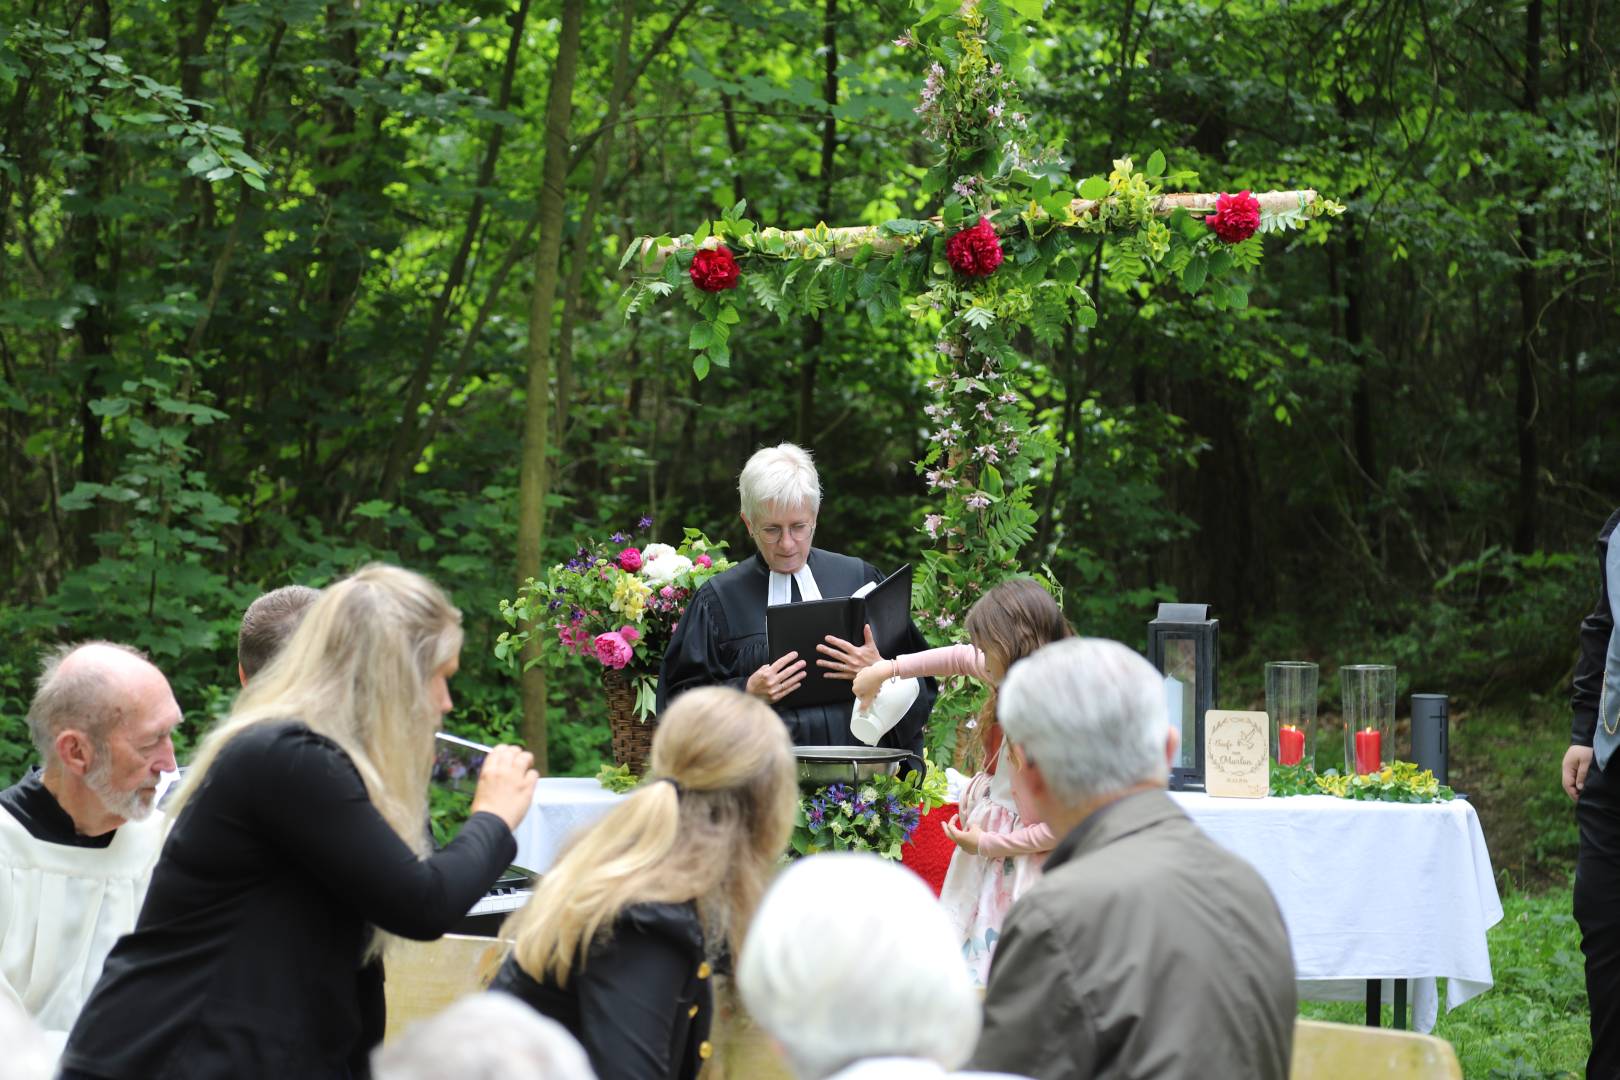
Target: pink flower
[(704, 561), (612, 650), (667, 592), (932, 523), (630, 633), (630, 560)]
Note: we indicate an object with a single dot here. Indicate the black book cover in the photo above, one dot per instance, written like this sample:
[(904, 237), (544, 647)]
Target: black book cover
[(802, 626)]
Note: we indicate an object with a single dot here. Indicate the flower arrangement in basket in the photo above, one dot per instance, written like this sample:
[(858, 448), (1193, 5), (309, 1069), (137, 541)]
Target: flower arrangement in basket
[(877, 815), (613, 606)]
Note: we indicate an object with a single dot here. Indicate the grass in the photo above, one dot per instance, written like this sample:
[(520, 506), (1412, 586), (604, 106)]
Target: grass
[(1533, 1022)]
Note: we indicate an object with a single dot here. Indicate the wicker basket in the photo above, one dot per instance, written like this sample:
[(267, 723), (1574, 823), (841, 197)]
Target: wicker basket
[(632, 738)]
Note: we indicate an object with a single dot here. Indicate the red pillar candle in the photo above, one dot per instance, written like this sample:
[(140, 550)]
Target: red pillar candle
[(1369, 751), (1290, 745)]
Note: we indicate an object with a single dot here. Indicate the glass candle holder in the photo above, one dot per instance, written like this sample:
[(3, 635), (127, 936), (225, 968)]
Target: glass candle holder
[(1368, 695), (1291, 705)]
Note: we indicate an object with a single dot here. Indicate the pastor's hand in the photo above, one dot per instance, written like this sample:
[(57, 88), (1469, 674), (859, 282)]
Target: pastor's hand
[(773, 682)]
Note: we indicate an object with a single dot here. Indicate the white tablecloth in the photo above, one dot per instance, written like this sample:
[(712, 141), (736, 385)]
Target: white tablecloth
[(561, 805), (1369, 890)]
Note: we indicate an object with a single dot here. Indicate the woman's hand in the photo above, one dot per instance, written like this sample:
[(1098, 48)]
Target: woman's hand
[(773, 682), (869, 680), (966, 839), (844, 659), (506, 784)]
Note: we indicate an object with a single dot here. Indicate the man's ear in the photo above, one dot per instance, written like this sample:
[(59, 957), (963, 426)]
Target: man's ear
[(241, 675), (74, 751), (747, 528), (1172, 747)]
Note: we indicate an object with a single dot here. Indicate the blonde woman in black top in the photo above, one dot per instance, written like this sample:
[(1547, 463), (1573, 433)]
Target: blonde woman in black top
[(297, 853), (620, 942)]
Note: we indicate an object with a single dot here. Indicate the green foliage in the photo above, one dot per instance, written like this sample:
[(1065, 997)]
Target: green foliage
[(1400, 782), (877, 815)]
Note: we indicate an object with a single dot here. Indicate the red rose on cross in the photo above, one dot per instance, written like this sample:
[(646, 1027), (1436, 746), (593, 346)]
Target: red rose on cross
[(975, 252), (1236, 217), (714, 269)]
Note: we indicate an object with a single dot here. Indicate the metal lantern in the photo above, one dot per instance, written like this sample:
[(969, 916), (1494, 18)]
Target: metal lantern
[(1184, 644)]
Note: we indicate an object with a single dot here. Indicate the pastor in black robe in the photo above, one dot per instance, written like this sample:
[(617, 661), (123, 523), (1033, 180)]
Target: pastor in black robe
[(721, 642)]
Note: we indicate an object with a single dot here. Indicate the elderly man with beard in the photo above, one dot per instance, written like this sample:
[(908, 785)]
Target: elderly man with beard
[(78, 838)]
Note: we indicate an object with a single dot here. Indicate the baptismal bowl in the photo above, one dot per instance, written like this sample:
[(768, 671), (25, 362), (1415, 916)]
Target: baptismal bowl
[(823, 765)]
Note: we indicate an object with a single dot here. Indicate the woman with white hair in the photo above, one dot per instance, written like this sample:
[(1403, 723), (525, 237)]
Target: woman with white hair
[(620, 942), (721, 639), (855, 971), (483, 1037), (298, 852)]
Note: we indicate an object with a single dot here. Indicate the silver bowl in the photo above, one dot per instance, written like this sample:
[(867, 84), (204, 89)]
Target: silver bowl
[(823, 765)]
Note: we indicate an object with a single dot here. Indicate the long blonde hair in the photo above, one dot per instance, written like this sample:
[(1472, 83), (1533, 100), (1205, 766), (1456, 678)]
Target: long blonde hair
[(716, 840), (356, 671)]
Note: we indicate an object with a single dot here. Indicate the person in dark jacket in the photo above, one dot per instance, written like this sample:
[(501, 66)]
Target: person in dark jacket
[(297, 853), (1594, 735), (721, 639), (620, 942)]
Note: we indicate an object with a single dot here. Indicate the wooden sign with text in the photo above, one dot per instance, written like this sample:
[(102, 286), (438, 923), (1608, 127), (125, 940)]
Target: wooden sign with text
[(1237, 754)]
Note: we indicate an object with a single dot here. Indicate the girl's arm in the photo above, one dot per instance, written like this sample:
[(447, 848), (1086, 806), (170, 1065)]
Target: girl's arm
[(1029, 840), (947, 660)]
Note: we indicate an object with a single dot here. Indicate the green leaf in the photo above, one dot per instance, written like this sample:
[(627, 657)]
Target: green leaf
[(253, 181), (700, 365), (1155, 164), (373, 508), (1086, 316), (1094, 187), (702, 337), (1192, 278)]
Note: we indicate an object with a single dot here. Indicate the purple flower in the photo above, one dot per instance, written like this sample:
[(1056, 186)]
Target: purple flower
[(978, 501), (988, 453), (932, 523), (617, 538), (644, 523), (903, 41)]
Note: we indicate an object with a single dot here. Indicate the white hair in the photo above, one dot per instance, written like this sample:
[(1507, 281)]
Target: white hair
[(489, 1036), (852, 957), (1091, 714), (782, 476)]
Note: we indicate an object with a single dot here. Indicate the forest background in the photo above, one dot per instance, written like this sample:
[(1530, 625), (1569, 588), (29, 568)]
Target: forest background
[(292, 285)]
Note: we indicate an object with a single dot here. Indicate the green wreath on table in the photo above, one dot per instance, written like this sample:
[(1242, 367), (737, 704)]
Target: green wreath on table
[(1398, 782)]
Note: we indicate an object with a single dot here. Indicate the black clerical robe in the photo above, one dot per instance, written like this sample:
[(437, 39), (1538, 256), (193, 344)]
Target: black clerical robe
[(721, 642)]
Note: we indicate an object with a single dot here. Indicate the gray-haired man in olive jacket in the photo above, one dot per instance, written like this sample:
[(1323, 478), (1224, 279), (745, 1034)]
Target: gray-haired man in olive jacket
[(1145, 950)]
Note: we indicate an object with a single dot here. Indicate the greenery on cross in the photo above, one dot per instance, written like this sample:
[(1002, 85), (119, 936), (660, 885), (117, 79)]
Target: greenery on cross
[(986, 448)]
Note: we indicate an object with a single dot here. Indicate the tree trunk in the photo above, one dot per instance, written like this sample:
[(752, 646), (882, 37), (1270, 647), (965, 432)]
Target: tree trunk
[(534, 477), (586, 232), (814, 330), (95, 332), (1525, 400)]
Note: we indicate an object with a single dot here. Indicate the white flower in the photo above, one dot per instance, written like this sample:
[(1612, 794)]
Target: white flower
[(667, 568), (654, 552)]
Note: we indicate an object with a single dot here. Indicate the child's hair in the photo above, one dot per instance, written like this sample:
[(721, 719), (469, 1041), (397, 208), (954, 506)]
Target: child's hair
[(1006, 624)]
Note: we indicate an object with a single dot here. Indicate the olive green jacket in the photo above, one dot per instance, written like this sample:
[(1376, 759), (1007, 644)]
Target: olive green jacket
[(1145, 950)]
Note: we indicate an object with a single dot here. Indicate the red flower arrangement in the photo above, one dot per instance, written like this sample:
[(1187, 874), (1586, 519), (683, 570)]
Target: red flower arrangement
[(975, 252), (714, 269), (1236, 217)]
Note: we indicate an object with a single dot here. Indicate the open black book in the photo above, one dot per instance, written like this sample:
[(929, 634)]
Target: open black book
[(802, 626)]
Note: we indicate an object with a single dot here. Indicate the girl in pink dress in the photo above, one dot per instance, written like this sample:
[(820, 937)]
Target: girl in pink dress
[(999, 848)]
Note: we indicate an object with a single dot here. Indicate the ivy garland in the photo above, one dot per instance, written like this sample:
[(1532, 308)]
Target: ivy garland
[(1007, 252)]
